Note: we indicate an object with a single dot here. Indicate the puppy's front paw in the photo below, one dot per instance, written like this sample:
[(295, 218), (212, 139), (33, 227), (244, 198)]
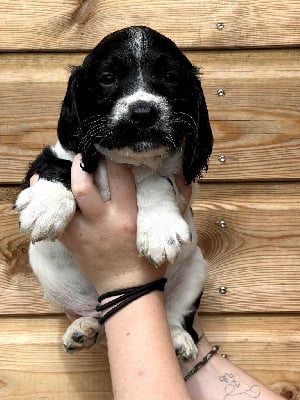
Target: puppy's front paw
[(183, 344), (45, 209), (160, 239), (81, 333)]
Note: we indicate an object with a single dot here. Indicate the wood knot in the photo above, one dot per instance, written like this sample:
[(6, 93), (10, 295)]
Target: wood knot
[(286, 390), (3, 384), (84, 12)]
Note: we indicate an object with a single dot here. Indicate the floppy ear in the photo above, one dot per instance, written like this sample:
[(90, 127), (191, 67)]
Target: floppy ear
[(198, 145), (70, 132), (69, 121)]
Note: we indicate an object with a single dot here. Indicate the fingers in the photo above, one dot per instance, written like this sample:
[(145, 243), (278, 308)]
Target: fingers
[(121, 186), (85, 191), (89, 200)]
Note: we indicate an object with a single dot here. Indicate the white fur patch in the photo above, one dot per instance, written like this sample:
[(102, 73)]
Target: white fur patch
[(61, 153), (161, 230), (121, 108), (152, 158), (138, 43), (45, 209)]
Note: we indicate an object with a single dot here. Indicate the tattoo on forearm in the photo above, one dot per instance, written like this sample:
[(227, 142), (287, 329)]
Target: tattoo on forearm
[(235, 386)]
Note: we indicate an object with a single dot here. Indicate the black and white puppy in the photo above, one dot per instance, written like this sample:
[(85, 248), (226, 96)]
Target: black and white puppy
[(136, 99)]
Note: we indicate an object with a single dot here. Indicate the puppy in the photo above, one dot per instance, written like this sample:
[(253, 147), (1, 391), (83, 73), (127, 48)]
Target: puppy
[(136, 99)]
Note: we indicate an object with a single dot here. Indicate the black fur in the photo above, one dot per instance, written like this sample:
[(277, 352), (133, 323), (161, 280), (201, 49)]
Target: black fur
[(49, 167), (110, 73), (167, 72), (189, 319)]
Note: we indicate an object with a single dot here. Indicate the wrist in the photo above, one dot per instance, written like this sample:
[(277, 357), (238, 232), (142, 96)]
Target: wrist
[(128, 273), (204, 347), (115, 300)]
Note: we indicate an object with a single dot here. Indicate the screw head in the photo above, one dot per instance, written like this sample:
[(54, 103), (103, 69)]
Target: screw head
[(222, 224), (221, 92), (220, 26), (222, 290), (222, 158)]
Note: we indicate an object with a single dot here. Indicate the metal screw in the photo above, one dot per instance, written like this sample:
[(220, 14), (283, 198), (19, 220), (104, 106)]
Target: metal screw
[(222, 290), (222, 224), (220, 26), (221, 92), (224, 355), (222, 158)]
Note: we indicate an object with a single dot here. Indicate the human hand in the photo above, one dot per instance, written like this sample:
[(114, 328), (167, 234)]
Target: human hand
[(102, 235)]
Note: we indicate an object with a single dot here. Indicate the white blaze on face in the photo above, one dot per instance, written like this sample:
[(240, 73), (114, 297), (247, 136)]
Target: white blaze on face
[(122, 106), (139, 44)]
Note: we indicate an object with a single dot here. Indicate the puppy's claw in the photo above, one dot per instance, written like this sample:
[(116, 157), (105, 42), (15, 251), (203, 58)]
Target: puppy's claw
[(179, 239), (156, 264), (38, 239)]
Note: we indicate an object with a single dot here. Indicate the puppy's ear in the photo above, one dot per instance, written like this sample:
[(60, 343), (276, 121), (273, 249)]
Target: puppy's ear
[(198, 145), (70, 130), (69, 121)]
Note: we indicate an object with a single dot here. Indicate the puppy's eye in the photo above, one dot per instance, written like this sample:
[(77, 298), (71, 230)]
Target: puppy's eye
[(171, 77), (107, 78)]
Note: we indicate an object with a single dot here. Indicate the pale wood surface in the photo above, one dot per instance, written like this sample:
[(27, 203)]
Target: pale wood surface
[(33, 364), (256, 255), (73, 25), (256, 124)]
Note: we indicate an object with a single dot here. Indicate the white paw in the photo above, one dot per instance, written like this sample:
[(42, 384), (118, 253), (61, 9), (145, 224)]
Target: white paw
[(183, 343), (45, 209), (161, 238), (81, 333)]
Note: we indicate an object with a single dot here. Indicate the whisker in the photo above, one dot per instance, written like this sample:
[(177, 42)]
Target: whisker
[(186, 123), (191, 119)]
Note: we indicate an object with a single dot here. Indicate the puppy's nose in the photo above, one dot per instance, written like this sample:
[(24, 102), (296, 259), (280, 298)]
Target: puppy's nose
[(143, 114)]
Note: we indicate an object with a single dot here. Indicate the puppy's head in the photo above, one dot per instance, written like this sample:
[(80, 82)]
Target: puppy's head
[(136, 99)]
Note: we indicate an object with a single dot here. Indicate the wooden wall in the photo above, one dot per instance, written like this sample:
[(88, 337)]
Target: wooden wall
[(247, 209)]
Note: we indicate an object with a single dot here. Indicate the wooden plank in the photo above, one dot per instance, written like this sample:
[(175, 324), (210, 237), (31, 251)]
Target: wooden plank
[(250, 237), (33, 364), (265, 345), (256, 124), (256, 256), (20, 289), (73, 25)]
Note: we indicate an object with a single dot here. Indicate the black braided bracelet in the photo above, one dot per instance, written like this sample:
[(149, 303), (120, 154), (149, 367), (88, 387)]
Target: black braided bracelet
[(200, 364), (126, 296)]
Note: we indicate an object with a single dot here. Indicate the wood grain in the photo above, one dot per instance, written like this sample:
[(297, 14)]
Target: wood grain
[(74, 25), (256, 124), (256, 256), (250, 237), (33, 364)]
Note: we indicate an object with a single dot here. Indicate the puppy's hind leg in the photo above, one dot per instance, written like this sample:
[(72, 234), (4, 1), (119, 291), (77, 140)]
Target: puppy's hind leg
[(185, 283), (82, 333)]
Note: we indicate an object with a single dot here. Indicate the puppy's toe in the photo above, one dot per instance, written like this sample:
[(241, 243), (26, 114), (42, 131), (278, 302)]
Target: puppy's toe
[(184, 345), (82, 333)]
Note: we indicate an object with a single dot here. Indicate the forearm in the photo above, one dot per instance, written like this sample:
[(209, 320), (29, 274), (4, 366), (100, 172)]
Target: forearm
[(141, 354), (220, 379)]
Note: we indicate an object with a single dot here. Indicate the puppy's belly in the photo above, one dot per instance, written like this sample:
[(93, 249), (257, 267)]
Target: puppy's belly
[(63, 283)]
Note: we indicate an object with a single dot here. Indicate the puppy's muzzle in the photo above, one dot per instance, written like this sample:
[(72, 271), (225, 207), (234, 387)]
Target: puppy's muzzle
[(143, 114)]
